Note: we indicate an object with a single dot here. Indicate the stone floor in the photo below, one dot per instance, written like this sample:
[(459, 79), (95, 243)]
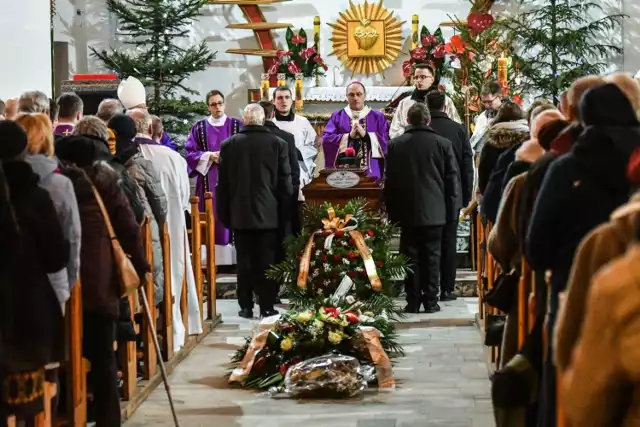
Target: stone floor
[(442, 381)]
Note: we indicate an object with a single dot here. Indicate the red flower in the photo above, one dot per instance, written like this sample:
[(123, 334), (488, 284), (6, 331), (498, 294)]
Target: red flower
[(351, 273), (283, 369), (418, 54), (363, 273), (352, 242), (332, 311), (350, 152), (351, 256), (339, 233), (274, 68), (293, 67), (379, 264), (318, 60), (429, 40), (370, 233), (352, 317), (307, 53), (337, 258), (298, 39), (439, 51), (323, 258), (283, 53), (406, 68)]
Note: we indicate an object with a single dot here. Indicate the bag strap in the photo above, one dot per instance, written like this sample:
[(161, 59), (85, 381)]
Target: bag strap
[(105, 215)]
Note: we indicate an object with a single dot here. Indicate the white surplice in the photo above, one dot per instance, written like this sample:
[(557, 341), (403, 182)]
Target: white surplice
[(399, 121), (305, 137), (172, 169)]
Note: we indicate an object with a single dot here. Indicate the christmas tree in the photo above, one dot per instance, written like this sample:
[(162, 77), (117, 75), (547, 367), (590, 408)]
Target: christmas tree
[(151, 31), (560, 41)]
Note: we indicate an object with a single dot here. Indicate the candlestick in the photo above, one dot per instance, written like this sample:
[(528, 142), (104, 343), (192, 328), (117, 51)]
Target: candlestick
[(415, 20), (282, 79), (264, 86), (299, 94), (316, 41)]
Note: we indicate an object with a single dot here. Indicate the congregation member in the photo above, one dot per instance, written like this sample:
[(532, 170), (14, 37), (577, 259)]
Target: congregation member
[(41, 150), (421, 192), (202, 151), (70, 108), (133, 95), (456, 133), (425, 81), (248, 203), (108, 108), (359, 127), (33, 245), (34, 102), (158, 128), (174, 179), (2, 106), (11, 109), (307, 142)]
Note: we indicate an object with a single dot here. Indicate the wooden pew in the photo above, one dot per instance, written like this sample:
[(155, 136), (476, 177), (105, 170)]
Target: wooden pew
[(150, 357), (212, 313), (169, 299), (480, 264), (196, 252), (524, 286)]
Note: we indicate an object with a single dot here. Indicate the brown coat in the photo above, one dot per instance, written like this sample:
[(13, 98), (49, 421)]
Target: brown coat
[(602, 245), (601, 387)]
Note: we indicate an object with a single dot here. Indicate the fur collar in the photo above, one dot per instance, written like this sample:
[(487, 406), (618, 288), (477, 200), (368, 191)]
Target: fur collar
[(508, 134)]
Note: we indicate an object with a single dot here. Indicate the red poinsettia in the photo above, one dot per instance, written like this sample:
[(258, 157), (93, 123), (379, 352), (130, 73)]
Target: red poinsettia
[(352, 317), (298, 39), (298, 58)]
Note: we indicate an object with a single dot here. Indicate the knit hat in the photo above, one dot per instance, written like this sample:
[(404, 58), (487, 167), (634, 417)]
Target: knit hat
[(13, 140), (124, 128)]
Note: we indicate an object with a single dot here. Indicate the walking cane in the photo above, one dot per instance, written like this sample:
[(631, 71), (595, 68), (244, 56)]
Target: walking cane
[(156, 344)]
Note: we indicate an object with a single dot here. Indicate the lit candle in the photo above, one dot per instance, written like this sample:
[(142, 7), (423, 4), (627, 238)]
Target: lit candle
[(299, 94), (282, 79), (264, 86), (502, 70), (316, 33), (414, 31)]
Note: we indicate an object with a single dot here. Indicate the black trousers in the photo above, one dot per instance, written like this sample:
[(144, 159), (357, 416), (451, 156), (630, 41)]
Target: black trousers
[(448, 258), (256, 252), (98, 337), (422, 246)]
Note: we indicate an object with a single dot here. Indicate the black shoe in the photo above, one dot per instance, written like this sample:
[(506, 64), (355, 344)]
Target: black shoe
[(268, 313), (411, 310), (246, 313), (432, 308), (447, 296)]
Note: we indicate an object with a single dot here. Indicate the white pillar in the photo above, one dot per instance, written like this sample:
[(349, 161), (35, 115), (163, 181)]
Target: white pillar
[(631, 36), (25, 47)]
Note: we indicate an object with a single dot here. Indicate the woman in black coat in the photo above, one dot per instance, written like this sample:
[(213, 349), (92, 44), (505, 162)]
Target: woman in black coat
[(33, 245)]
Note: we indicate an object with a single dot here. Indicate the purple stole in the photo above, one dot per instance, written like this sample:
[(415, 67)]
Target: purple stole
[(63, 130), (203, 141)]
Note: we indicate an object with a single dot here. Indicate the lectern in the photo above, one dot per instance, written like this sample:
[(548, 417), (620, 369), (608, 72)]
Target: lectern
[(339, 186)]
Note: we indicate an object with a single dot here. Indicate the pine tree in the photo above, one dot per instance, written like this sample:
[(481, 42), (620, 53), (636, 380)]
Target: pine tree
[(153, 29), (560, 41)]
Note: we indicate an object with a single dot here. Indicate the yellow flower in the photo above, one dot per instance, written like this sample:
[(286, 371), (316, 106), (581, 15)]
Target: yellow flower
[(304, 316), (286, 344), (335, 337)]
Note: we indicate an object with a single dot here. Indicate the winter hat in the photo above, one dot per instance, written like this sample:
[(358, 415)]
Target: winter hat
[(13, 140), (124, 128), (607, 105)]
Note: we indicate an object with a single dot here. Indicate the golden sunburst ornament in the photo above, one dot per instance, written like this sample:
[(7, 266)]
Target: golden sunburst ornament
[(367, 38)]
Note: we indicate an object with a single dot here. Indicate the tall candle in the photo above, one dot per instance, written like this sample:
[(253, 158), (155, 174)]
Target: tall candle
[(316, 33), (415, 20), (502, 70), (298, 91), (264, 86), (282, 79)]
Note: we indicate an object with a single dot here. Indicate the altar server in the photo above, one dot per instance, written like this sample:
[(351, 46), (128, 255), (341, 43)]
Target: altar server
[(359, 127), (425, 80), (132, 94), (202, 151), (305, 136), (174, 178), (70, 108)]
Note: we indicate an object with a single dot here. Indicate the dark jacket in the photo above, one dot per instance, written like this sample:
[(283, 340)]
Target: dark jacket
[(456, 133), (582, 188), (421, 179), (493, 192), (33, 245), (294, 154), (254, 178)]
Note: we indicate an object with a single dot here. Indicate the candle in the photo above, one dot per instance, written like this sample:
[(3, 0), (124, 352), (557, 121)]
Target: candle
[(264, 86), (316, 33), (298, 90), (282, 79), (502, 70), (414, 31)]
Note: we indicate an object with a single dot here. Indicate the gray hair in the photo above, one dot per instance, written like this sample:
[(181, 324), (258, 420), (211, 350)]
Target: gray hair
[(108, 108), (143, 120), (253, 114), (34, 102), (91, 126)]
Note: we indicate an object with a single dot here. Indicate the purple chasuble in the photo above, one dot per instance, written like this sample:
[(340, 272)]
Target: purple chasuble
[(63, 129), (204, 137), (374, 123)]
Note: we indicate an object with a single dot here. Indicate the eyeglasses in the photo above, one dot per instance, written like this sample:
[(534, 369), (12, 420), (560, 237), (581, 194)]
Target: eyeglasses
[(489, 101), (216, 104)]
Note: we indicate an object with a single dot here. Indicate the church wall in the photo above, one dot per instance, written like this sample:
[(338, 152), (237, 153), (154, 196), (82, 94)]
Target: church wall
[(234, 74), (25, 48)]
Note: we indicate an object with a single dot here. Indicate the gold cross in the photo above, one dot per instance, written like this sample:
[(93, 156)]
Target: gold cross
[(66, 132)]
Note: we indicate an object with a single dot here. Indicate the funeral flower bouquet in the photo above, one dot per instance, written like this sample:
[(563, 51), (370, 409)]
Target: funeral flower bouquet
[(298, 58)]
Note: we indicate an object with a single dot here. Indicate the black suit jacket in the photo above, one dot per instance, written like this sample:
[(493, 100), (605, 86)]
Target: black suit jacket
[(456, 133), (421, 179), (254, 179), (294, 153)]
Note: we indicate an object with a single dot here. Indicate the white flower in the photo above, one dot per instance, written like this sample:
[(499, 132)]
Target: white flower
[(318, 253), (315, 273), (350, 299), (327, 282), (346, 261), (326, 266), (359, 269), (319, 291), (329, 251)]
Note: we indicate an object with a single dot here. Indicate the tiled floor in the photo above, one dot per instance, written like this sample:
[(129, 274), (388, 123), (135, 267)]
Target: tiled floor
[(442, 381)]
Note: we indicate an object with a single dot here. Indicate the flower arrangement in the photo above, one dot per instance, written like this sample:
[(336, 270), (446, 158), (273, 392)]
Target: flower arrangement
[(431, 51), (299, 58)]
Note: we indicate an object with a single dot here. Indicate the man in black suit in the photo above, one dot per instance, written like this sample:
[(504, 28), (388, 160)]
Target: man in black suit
[(420, 192), (456, 133), (254, 179)]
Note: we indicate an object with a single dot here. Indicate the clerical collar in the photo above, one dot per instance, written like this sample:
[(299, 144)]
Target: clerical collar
[(420, 95), (359, 114), (217, 121), (285, 118)]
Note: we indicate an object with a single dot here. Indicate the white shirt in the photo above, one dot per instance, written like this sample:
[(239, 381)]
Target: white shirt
[(399, 121), (305, 137)]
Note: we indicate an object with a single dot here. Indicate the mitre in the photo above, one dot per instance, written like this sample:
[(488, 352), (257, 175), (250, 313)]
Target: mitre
[(131, 93)]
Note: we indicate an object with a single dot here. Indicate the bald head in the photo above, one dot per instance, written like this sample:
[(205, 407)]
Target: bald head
[(143, 120), (108, 108)]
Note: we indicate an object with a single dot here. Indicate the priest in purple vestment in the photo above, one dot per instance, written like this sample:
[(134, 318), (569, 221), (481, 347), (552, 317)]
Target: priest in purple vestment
[(70, 107), (202, 151), (359, 127)]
